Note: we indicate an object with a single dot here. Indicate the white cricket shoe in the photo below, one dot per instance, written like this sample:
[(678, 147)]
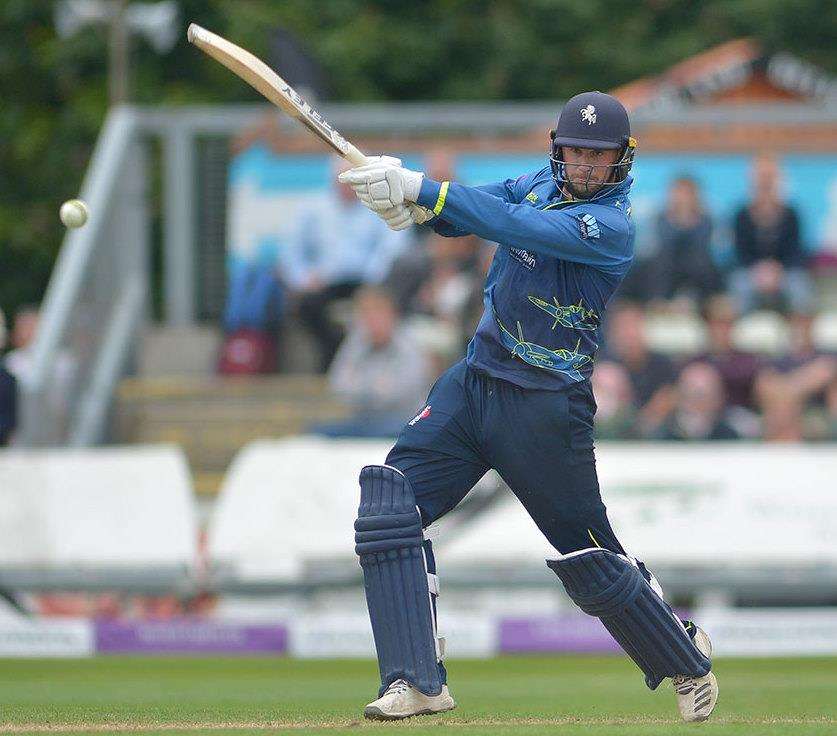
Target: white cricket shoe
[(696, 696), (402, 700)]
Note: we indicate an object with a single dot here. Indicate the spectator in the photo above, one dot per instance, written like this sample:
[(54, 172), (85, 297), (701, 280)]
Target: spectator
[(771, 260), (474, 307), (255, 304), (450, 274), (652, 374), (699, 411), (615, 413), (377, 370), (8, 393), (683, 266), (795, 384), (738, 368), (63, 372), (411, 268), (441, 299), (19, 359), (339, 246)]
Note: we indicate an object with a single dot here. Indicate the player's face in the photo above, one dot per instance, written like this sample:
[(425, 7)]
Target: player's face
[(589, 169)]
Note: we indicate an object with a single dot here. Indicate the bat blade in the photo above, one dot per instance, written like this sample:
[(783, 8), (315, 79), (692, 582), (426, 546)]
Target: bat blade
[(262, 78)]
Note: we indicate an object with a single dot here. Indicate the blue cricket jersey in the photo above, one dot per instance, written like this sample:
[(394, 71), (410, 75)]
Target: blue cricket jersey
[(557, 267)]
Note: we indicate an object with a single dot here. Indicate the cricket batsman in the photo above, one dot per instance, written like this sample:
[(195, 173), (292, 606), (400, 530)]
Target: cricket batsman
[(521, 403)]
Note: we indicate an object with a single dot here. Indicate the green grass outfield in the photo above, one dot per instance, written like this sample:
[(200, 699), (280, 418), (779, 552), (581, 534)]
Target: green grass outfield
[(504, 696)]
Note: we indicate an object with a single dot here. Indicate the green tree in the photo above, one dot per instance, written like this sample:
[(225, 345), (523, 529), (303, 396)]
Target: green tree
[(53, 91)]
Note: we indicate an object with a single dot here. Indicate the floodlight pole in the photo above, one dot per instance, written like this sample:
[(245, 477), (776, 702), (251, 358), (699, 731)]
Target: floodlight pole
[(157, 21)]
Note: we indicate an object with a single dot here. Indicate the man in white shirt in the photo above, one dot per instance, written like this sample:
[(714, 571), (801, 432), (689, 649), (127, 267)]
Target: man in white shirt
[(338, 246)]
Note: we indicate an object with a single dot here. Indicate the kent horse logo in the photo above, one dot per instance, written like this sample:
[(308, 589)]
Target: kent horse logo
[(588, 114)]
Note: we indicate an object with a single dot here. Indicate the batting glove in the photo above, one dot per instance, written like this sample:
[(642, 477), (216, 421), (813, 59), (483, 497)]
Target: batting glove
[(381, 184), (397, 218)]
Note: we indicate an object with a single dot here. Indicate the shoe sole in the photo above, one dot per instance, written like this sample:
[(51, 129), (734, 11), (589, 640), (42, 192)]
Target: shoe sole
[(373, 713)]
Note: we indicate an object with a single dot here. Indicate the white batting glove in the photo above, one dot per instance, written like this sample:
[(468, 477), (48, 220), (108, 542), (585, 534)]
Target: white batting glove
[(381, 185), (397, 218)]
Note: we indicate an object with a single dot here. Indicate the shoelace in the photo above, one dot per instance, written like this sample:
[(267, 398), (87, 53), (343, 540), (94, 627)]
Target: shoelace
[(398, 687)]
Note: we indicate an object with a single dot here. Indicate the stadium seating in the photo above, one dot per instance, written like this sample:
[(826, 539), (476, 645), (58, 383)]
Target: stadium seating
[(103, 517), (286, 510)]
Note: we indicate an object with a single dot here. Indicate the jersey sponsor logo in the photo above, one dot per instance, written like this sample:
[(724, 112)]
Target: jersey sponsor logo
[(589, 226), (423, 414), (588, 114), (532, 197), (523, 256)]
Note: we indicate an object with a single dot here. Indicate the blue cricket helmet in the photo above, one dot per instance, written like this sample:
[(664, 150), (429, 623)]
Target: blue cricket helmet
[(592, 120)]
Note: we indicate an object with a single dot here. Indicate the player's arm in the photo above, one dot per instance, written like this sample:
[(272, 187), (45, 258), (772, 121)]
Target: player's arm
[(508, 191), (605, 243), (587, 233)]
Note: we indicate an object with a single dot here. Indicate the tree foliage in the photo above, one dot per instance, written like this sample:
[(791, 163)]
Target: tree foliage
[(54, 91)]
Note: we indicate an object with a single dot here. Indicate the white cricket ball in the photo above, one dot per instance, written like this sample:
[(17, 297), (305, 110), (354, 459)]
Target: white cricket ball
[(74, 213)]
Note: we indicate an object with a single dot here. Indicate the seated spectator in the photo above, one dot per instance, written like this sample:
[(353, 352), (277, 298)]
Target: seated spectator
[(615, 413), (652, 374), (19, 359), (377, 370), (411, 268), (796, 385), (699, 410), (8, 392), (475, 304), (339, 246), (771, 269), (255, 303), (438, 307), (738, 368), (450, 274), (683, 265)]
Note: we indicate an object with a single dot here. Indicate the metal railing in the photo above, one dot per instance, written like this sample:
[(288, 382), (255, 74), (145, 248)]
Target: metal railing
[(95, 299)]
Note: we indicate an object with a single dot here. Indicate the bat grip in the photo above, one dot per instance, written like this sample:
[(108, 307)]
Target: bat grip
[(354, 156)]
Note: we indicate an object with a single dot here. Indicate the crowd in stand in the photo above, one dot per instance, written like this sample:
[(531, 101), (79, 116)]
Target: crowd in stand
[(414, 317), (15, 366), (387, 312)]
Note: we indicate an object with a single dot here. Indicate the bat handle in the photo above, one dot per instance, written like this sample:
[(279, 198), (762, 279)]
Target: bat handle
[(354, 156)]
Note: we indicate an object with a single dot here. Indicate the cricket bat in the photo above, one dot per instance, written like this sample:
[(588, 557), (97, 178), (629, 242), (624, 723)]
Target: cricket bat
[(262, 78)]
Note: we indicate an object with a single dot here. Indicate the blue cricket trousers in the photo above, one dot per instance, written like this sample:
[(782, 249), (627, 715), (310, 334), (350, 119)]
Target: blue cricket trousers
[(539, 441)]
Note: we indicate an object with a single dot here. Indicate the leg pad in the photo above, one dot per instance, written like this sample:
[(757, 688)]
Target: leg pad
[(388, 541), (606, 585)]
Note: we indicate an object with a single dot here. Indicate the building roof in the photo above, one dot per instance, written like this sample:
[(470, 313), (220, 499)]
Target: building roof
[(735, 72)]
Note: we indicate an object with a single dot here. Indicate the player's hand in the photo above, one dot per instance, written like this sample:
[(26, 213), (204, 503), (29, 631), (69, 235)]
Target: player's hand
[(397, 218), (381, 184)]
